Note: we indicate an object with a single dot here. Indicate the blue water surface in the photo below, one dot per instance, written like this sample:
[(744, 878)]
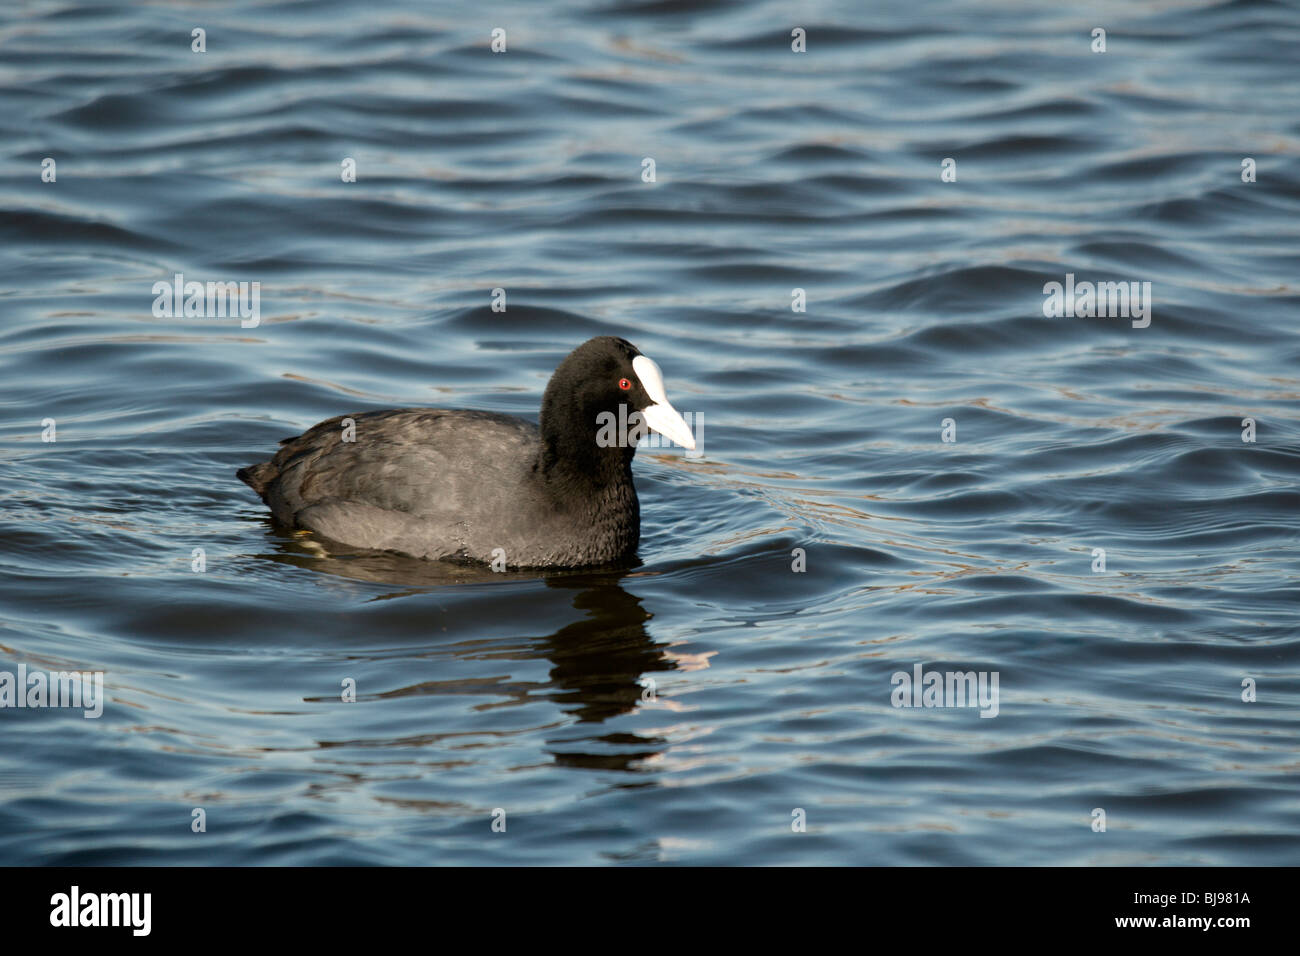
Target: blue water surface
[(686, 708)]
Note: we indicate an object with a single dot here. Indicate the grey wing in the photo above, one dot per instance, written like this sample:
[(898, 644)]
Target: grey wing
[(408, 480)]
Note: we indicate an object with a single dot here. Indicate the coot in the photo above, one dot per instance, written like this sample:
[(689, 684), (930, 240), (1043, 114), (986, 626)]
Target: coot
[(435, 483)]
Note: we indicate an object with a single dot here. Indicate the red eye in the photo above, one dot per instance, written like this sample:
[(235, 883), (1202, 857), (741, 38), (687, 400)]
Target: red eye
[(624, 384)]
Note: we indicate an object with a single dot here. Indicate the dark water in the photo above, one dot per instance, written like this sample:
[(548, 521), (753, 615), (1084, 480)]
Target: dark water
[(1119, 690)]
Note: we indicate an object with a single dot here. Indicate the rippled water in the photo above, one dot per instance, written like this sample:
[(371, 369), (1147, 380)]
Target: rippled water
[(1119, 690)]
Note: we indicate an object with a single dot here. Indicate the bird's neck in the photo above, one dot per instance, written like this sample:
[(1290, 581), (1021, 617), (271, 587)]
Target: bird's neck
[(581, 466)]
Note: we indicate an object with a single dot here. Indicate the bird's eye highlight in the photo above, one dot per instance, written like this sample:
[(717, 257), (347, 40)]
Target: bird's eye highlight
[(624, 384)]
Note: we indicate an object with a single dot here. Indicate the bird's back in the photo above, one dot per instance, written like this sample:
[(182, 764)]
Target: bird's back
[(430, 482)]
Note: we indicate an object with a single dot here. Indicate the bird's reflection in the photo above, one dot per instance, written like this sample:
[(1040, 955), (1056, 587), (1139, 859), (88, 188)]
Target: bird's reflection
[(600, 664)]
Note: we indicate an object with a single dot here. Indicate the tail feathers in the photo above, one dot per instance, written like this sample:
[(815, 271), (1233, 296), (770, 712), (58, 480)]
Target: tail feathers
[(258, 477)]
